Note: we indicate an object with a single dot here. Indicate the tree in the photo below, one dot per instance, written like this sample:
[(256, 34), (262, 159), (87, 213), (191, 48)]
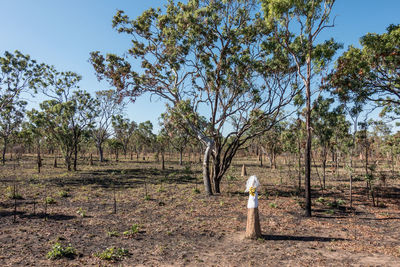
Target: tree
[(123, 130), (206, 59), (371, 73), (11, 117), (18, 73), (178, 136), (108, 105), (296, 25), (67, 115)]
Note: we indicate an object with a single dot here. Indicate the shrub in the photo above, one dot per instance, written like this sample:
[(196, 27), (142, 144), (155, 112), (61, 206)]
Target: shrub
[(63, 193), (113, 233), (81, 212), (134, 230), (50, 200), (273, 205), (196, 191), (58, 251), (13, 195), (112, 254)]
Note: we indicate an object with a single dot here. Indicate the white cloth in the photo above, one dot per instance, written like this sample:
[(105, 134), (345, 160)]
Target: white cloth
[(253, 200), (252, 182)]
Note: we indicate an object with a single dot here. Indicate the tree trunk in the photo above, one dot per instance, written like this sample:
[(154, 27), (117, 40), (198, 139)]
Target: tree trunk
[(307, 177), (162, 161), (299, 166), (181, 157), (3, 159), (68, 162), (39, 159), (324, 166), (206, 171), (75, 156), (101, 152)]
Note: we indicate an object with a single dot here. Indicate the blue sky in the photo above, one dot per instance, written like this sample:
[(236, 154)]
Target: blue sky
[(63, 33)]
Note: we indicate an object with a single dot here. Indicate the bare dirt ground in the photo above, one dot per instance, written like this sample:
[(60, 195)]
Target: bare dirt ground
[(178, 226)]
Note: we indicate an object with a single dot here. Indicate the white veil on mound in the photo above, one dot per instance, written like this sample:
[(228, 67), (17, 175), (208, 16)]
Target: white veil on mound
[(252, 182), (253, 200)]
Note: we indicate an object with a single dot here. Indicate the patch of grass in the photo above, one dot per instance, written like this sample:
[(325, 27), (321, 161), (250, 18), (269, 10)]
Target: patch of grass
[(50, 200), (330, 212), (134, 230), (273, 205), (12, 195), (58, 251), (147, 197), (112, 254), (160, 189), (64, 193), (196, 191), (231, 177), (81, 212), (320, 200), (113, 234)]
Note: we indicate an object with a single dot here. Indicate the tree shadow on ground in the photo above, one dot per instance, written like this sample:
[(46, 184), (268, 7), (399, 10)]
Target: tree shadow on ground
[(23, 214), (300, 238), (127, 178)]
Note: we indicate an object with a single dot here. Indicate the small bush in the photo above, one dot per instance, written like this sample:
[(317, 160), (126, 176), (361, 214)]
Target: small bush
[(196, 191), (113, 234), (12, 195), (81, 212), (50, 200), (273, 205), (63, 193), (58, 251), (135, 228), (231, 177), (320, 200), (112, 254), (147, 197)]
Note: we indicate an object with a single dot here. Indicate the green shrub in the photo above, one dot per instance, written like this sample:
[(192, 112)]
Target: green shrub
[(134, 230), (58, 251), (63, 193), (50, 200), (112, 254), (196, 191), (13, 195), (81, 212), (273, 205), (113, 233)]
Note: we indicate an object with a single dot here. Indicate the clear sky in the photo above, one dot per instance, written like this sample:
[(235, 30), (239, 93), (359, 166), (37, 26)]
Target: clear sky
[(63, 33)]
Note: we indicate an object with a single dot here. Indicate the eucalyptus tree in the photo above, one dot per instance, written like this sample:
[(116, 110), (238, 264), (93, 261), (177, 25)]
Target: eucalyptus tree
[(18, 73), (144, 136), (371, 73), (67, 115), (161, 143), (11, 117), (296, 25), (271, 143), (330, 127), (108, 105), (207, 59), (124, 129), (178, 136)]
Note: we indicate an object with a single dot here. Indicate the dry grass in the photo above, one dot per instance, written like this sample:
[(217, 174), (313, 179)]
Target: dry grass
[(178, 226)]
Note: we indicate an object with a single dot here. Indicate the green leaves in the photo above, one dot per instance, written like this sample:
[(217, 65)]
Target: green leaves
[(371, 73)]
